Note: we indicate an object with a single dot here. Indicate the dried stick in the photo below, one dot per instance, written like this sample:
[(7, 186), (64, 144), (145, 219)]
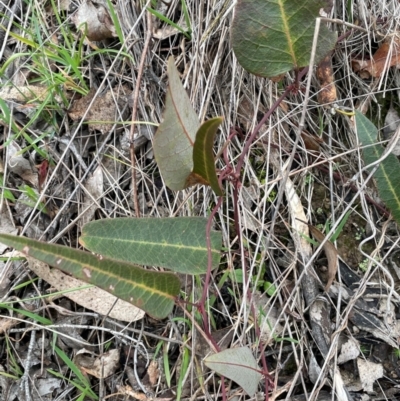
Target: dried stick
[(134, 111)]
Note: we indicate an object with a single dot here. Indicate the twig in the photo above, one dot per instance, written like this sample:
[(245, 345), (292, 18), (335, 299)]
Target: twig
[(134, 112), (340, 22)]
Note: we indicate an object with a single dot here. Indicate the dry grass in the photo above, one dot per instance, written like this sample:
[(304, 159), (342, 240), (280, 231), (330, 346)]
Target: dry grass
[(265, 248)]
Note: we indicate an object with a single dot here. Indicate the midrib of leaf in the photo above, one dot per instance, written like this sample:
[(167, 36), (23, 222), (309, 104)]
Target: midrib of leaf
[(203, 155), (204, 150), (178, 113), (88, 260), (389, 183), (97, 270), (382, 171), (287, 31), (157, 244), (174, 243)]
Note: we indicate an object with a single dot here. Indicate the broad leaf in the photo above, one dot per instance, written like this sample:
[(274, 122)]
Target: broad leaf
[(203, 156), (175, 243), (152, 291), (271, 37), (87, 296), (237, 364), (182, 148), (175, 136), (387, 175)]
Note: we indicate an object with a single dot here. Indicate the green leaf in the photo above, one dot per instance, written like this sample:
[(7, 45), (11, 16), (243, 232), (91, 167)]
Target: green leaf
[(172, 23), (35, 317), (237, 364), (237, 276), (4, 192), (152, 291), (116, 22), (177, 243), (175, 136), (387, 175), (7, 118), (203, 156), (269, 288), (339, 229), (182, 148), (271, 37)]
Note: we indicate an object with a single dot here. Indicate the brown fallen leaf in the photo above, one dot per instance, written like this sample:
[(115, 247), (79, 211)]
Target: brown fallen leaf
[(94, 186), (25, 94), (311, 142), (42, 169), (376, 66), (168, 31), (327, 94), (94, 20), (21, 166), (101, 366), (104, 109), (26, 99), (6, 324), (127, 390), (153, 373), (330, 252)]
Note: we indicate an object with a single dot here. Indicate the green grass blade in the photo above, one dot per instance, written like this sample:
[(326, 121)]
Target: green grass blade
[(186, 16), (84, 385), (116, 23), (33, 316), (169, 22), (339, 228)]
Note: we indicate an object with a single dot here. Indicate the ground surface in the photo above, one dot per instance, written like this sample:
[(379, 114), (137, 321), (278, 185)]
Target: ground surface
[(66, 159)]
